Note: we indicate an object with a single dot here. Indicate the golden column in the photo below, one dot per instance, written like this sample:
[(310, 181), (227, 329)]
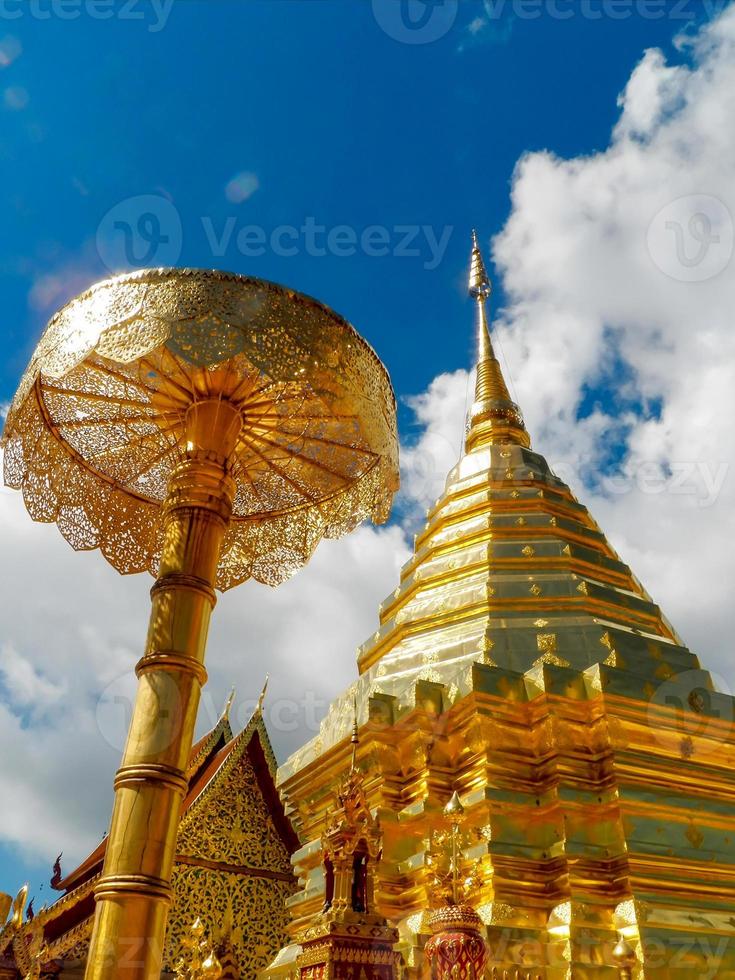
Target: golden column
[(210, 428)]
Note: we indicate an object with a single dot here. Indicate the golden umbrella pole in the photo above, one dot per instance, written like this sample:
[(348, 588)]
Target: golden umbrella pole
[(209, 428), (134, 891)]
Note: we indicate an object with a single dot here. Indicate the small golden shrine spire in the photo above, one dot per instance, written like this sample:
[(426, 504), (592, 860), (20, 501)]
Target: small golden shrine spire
[(355, 739), (494, 416)]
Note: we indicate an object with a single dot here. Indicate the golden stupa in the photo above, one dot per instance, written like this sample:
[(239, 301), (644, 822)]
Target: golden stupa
[(521, 663)]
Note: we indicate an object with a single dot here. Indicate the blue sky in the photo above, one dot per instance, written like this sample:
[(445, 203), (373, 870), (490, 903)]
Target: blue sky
[(338, 121), (207, 132)]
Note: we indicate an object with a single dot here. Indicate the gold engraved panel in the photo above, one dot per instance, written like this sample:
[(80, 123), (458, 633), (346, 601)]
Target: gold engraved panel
[(233, 824), (251, 911)]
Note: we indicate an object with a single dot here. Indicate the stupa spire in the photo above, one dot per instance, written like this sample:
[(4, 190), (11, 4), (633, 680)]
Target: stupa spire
[(494, 416)]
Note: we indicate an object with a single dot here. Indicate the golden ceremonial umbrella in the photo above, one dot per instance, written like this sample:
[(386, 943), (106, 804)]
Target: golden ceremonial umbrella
[(207, 427)]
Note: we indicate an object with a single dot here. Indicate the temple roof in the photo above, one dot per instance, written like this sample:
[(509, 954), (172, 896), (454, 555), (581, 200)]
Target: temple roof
[(510, 569)]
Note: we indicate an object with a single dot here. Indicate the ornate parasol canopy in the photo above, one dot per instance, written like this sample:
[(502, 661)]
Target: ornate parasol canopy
[(98, 423)]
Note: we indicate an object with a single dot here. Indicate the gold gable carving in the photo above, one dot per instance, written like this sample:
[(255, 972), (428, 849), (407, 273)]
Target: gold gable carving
[(232, 824)]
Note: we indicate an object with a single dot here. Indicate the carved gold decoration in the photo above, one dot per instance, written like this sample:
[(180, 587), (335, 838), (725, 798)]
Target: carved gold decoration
[(233, 825), (198, 960), (249, 911), (450, 880), (98, 422)]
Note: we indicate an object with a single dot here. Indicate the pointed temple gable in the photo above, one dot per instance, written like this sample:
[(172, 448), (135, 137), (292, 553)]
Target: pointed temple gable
[(520, 662)]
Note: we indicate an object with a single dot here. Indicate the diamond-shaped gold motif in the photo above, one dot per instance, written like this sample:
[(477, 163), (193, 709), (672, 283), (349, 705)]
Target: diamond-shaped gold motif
[(529, 551), (550, 658), (606, 641), (546, 642), (695, 836), (535, 589)]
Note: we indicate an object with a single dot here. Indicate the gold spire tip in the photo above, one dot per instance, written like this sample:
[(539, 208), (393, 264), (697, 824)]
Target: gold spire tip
[(624, 953), (479, 285), (454, 808), (261, 699), (228, 705)]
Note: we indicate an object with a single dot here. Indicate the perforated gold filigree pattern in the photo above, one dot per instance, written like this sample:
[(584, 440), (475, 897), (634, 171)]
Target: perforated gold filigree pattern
[(234, 825), (98, 421), (254, 908)]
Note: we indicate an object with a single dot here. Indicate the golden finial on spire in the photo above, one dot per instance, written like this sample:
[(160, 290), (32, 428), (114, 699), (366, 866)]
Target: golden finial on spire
[(355, 739), (228, 705), (261, 699), (494, 416), (454, 809), (625, 957), (480, 286)]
